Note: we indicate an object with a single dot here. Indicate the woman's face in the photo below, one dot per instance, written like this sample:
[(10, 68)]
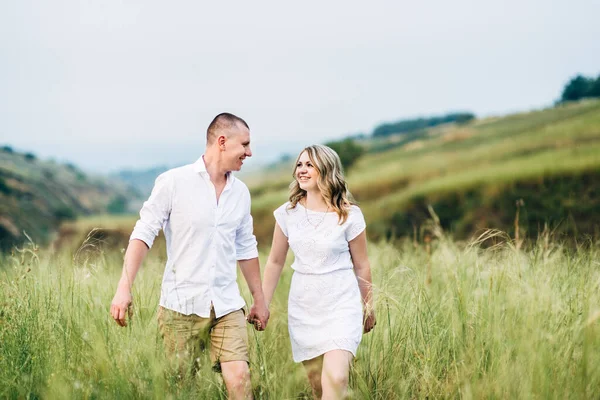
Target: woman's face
[(306, 174)]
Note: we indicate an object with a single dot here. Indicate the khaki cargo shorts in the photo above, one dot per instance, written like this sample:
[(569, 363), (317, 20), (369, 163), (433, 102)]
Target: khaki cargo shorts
[(187, 336)]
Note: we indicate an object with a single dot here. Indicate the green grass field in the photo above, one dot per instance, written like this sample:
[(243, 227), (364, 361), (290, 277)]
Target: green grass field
[(459, 315), (455, 320)]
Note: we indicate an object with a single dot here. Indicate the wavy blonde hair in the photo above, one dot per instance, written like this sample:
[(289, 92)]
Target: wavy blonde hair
[(331, 181)]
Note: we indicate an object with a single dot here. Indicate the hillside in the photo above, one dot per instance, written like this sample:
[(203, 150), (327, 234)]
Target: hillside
[(473, 176), (142, 180), (36, 196)]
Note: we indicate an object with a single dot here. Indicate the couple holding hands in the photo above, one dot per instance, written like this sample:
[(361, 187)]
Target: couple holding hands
[(204, 212)]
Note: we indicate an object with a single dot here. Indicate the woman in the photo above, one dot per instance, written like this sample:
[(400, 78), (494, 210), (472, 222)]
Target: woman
[(326, 232)]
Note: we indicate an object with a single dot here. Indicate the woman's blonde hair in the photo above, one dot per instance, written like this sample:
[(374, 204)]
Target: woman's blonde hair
[(331, 181)]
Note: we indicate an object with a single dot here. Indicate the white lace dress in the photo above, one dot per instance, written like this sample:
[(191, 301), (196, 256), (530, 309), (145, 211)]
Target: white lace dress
[(324, 305)]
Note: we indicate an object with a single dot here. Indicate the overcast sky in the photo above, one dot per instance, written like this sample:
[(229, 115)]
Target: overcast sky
[(118, 84)]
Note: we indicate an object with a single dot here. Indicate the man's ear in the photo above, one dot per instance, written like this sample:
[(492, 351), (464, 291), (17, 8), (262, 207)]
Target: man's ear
[(221, 141)]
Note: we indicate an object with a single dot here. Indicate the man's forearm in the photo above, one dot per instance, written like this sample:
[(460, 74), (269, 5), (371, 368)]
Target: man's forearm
[(135, 254), (251, 271)]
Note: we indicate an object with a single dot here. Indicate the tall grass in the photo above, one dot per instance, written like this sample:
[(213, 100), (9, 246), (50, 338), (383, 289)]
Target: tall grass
[(455, 320)]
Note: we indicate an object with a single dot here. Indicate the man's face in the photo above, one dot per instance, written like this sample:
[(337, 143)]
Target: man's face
[(237, 148)]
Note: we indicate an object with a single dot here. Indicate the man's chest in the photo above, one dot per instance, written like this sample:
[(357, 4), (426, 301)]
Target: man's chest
[(196, 208)]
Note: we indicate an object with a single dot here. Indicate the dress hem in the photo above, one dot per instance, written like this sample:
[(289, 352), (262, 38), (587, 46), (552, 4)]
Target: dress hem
[(323, 350)]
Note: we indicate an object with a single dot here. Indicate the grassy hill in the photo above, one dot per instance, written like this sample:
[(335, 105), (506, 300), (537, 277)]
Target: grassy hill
[(474, 176), (36, 196), (544, 164), (142, 180)]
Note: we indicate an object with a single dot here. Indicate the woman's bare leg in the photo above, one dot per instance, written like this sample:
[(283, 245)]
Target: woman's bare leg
[(313, 368), (335, 374)]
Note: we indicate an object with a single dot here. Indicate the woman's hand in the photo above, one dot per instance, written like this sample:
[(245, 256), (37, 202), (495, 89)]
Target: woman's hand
[(369, 320)]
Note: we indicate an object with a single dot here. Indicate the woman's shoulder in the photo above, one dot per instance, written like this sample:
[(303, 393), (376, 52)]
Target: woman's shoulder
[(282, 207), (285, 208), (355, 214), (353, 209)]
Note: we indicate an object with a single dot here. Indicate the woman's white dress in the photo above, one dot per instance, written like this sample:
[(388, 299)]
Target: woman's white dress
[(324, 305)]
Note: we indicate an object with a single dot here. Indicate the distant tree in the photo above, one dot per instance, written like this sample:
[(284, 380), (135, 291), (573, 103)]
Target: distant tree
[(577, 88), (7, 149), (348, 150), (4, 188), (416, 124), (594, 90), (64, 213), (71, 167), (463, 118), (79, 175), (358, 136), (30, 157), (118, 205)]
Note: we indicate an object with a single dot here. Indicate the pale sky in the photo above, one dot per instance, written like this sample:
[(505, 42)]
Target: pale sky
[(133, 84)]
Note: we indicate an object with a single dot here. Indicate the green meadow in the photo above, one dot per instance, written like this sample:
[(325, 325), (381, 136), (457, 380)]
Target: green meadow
[(485, 251), (455, 320)]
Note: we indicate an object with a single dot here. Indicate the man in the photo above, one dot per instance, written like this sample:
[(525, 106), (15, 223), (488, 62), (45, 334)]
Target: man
[(204, 212)]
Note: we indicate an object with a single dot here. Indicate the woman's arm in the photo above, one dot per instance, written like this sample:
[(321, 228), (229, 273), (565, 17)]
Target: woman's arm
[(275, 263), (362, 269)]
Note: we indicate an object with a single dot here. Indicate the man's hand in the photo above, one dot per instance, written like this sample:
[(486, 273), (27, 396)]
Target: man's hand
[(121, 303), (121, 306), (259, 316), (259, 312)]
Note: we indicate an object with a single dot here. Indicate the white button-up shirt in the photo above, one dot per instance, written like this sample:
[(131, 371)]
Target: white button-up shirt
[(204, 239)]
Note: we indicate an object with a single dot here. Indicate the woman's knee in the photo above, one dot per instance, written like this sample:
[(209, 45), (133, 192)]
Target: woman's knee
[(336, 366), (335, 377)]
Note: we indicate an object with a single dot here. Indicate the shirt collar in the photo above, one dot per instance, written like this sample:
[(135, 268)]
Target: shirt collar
[(200, 167)]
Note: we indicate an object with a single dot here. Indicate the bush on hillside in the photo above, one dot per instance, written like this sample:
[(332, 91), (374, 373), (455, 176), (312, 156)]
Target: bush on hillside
[(581, 87), (30, 156), (563, 202), (80, 176), (410, 125), (65, 213), (4, 188), (118, 205), (594, 90), (348, 150)]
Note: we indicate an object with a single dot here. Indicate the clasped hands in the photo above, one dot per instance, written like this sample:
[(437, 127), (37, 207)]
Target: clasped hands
[(258, 316)]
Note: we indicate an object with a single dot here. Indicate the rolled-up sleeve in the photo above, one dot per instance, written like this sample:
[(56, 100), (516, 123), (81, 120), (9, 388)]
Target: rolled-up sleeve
[(245, 241), (155, 211)]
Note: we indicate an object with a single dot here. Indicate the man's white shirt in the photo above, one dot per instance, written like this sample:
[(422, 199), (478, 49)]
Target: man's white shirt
[(204, 239)]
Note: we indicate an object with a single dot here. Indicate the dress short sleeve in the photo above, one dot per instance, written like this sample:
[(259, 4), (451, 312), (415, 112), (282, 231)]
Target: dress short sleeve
[(281, 214), (356, 223)]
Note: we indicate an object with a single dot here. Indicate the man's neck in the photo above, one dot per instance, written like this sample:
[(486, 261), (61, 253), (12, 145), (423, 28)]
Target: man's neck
[(217, 174)]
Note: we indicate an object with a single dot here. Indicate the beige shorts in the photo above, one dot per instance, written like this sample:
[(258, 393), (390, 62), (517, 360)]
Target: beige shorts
[(186, 337)]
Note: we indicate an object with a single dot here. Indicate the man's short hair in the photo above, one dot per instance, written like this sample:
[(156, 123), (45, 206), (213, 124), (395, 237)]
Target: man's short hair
[(221, 122)]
